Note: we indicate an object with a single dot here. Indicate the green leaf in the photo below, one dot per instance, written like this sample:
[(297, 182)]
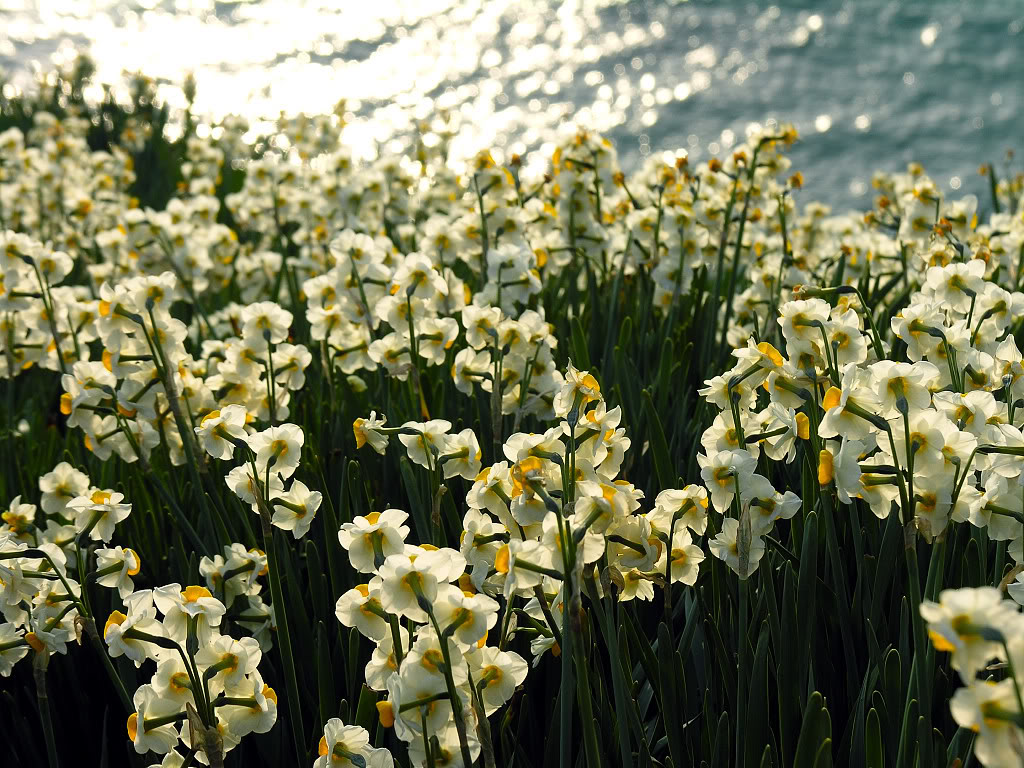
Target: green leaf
[(336, 559), (580, 353), (666, 364), (639, 641), (892, 685), (973, 572), (814, 732), (755, 738), (354, 669), (420, 508), (325, 676), (807, 590), (670, 668), (358, 503), (366, 709), (659, 446), (824, 757), (721, 741), (874, 756), (625, 332), (317, 585), (885, 564), (908, 733), (789, 681)]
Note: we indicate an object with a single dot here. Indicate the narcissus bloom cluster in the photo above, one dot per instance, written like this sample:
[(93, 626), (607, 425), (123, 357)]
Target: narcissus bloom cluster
[(463, 406)]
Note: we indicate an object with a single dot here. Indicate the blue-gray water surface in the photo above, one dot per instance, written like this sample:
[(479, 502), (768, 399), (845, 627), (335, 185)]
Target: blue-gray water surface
[(870, 85)]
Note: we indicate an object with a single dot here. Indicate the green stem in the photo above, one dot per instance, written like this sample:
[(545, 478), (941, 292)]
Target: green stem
[(284, 637), (39, 668)]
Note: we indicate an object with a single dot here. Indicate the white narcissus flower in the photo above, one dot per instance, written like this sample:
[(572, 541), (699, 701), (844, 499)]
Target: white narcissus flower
[(846, 470), (417, 273), (424, 662), (491, 490), (956, 622), (142, 617), (480, 323), (294, 511), (417, 681), (448, 744), (171, 760), (722, 472), (515, 560), (844, 408), (635, 586), (580, 388), (360, 607), (178, 606), (472, 614), (259, 717), (956, 286), (686, 559), (19, 517), (469, 367), (766, 504), (481, 537), (172, 680), (152, 738), (364, 535), (802, 322), (59, 486), (383, 664), (722, 435), (909, 381), (845, 337), (392, 353), (279, 448), (99, 512), (591, 542), (266, 318), (464, 450), (236, 658), (243, 565), (789, 425), (1016, 589), (499, 673), (219, 430), (290, 362), (975, 706), (720, 389), (632, 547), (406, 579), (934, 494), (118, 565), (428, 443), (725, 546), (367, 432), (88, 384), (245, 486), (434, 337), (690, 505), (341, 742), (926, 430), (11, 653)]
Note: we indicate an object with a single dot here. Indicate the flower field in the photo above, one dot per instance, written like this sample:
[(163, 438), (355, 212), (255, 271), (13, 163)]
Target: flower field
[(310, 461)]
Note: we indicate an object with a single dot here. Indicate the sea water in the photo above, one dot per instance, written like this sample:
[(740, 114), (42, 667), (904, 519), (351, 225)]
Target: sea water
[(870, 84)]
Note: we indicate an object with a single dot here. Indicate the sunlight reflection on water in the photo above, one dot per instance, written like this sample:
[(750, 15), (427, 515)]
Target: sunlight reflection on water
[(869, 84)]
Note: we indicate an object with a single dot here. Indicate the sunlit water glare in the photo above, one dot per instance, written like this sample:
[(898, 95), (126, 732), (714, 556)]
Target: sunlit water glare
[(869, 84)]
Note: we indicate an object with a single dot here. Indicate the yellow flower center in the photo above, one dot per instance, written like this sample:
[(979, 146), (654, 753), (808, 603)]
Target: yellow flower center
[(193, 594)]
